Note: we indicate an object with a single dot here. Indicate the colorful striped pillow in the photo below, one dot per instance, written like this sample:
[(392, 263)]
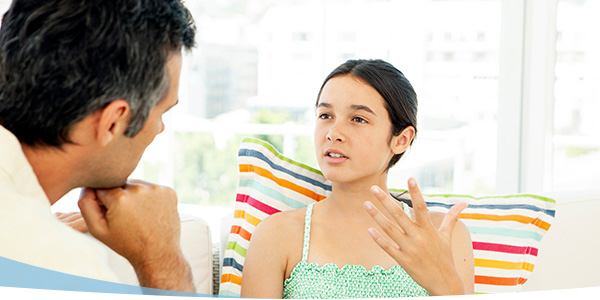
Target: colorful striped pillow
[(506, 230)]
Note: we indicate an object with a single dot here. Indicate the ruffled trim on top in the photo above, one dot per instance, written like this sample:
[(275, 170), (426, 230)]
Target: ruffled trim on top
[(354, 269), (350, 281)]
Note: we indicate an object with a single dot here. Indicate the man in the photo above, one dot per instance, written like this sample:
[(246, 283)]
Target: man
[(83, 87)]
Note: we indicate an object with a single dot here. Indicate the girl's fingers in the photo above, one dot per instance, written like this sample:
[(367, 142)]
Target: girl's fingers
[(395, 209), (388, 247), (450, 219), (419, 206), (393, 231)]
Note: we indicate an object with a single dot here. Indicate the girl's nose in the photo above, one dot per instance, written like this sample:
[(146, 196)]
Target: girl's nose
[(335, 135)]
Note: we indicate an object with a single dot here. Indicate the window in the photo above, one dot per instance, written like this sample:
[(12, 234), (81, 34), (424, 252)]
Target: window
[(508, 93), (458, 96), (265, 84), (576, 131), (547, 87)]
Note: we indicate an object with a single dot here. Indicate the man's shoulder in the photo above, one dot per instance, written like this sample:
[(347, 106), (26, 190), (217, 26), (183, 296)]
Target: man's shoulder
[(16, 174), (37, 238)]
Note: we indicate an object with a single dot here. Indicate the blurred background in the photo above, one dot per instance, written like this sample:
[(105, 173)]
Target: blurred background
[(509, 92)]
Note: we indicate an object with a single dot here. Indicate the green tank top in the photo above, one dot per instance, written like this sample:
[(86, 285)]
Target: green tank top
[(311, 281)]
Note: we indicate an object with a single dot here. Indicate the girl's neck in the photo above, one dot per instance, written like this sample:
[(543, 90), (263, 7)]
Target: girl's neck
[(348, 198)]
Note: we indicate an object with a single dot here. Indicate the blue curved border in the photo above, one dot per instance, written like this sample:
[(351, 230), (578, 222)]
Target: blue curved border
[(21, 275)]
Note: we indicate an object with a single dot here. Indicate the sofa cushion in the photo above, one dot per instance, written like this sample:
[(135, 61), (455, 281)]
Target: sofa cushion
[(506, 230)]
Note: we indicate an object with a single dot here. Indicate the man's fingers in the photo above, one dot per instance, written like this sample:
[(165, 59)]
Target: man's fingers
[(68, 217), (79, 225), (107, 197), (93, 212), (73, 219)]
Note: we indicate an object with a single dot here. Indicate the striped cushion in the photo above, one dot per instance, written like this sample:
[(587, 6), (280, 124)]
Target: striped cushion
[(506, 230)]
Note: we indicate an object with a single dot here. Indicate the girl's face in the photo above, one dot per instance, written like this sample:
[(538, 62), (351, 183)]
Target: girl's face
[(352, 132)]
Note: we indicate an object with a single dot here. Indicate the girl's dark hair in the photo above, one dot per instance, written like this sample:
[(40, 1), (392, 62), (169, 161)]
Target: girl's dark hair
[(397, 92), (402, 196)]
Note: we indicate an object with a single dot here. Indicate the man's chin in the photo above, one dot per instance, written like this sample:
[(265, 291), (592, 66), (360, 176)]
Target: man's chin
[(108, 185)]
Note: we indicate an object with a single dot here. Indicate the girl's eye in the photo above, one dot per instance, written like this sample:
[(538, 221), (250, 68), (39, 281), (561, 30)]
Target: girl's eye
[(324, 116), (359, 120)]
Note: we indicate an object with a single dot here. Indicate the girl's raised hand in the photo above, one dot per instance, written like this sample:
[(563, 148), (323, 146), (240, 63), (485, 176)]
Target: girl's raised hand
[(423, 251)]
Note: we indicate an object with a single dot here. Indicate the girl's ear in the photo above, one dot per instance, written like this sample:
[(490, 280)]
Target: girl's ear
[(113, 121), (402, 141)]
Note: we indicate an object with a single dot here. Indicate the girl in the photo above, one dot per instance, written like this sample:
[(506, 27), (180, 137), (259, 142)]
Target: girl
[(359, 242)]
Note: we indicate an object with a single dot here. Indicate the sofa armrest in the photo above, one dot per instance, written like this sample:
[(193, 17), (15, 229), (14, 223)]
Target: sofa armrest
[(568, 256), (196, 245)]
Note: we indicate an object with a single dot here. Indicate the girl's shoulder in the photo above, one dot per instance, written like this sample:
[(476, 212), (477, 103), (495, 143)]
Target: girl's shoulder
[(286, 225), (289, 217)]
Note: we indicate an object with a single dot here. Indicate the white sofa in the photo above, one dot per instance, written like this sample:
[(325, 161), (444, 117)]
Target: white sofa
[(197, 247), (567, 256)]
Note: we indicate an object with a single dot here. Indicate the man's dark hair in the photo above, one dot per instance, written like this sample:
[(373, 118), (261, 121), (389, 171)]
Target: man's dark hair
[(61, 60)]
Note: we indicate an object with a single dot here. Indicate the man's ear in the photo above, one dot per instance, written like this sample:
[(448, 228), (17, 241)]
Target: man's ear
[(402, 141), (113, 121)]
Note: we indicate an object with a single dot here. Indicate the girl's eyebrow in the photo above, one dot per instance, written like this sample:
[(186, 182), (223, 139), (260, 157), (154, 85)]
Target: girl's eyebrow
[(362, 107), (353, 107)]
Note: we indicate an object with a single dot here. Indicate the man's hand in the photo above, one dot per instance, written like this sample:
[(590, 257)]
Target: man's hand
[(73, 220), (140, 222)]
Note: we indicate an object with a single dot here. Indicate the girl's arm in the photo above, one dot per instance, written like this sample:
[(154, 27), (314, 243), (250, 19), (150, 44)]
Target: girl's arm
[(264, 266), (462, 251)]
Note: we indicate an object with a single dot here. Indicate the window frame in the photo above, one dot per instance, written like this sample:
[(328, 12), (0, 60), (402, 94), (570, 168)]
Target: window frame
[(526, 100)]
